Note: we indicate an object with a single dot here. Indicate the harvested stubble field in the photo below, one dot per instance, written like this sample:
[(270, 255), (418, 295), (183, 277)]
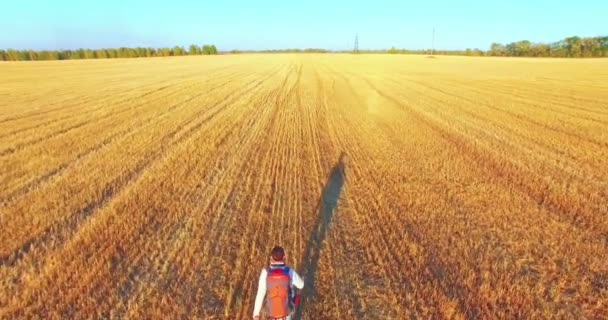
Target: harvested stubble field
[(400, 186)]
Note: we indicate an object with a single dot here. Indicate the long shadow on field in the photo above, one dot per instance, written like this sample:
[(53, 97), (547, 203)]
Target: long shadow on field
[(312, 252)]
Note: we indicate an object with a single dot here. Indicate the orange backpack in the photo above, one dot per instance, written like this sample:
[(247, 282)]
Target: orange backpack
[(277, 294)]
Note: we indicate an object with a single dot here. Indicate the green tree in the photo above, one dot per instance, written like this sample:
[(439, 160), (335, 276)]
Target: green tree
[(209, 49), (603, 41), (12, 55), (112, 53), (101, 54), (31, 55), (573, 46), (393, 50), (519, 48), (78, 54), (194, 50), (42, 55), (590, 47), (497, 49), (64, 54), (540, 50), (177, 51), (124, 52), (89, 54), (164, 52), (558, 49), (48, 55), (140, 52)]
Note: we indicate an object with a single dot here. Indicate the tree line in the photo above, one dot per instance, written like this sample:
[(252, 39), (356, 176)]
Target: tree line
[(289, 50), (574, 47), (106, 53), (571, 47)]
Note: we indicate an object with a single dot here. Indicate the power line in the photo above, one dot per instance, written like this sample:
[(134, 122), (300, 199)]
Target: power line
[(356, 49)]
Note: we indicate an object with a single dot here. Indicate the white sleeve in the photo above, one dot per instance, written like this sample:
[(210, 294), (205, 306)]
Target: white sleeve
[(259, 299), (296, 280)]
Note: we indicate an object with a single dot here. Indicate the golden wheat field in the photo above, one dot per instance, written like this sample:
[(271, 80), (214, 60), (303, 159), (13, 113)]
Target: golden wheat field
[(402, 187)]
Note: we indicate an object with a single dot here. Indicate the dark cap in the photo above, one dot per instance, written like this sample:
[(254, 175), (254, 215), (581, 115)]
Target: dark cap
[(277, 253)]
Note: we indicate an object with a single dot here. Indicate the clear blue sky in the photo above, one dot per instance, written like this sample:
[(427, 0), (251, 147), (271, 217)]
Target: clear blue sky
[(287, 24)]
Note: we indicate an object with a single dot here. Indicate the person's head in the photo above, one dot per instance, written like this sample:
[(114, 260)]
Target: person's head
[(277, 254)]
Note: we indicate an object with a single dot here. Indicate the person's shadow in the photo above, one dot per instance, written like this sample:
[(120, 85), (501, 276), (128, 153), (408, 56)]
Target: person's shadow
[(312, 252)]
